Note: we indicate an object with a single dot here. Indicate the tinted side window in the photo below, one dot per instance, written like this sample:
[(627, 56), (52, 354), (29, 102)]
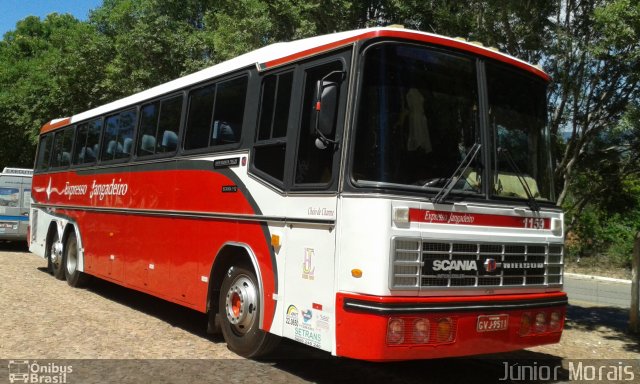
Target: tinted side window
[(159, 125), (270, 148), (44, 152), (147, 132), (169, 124), (62, 144), (118, 136), (229, 112), (199, 120), (87, 139), (216, 114)]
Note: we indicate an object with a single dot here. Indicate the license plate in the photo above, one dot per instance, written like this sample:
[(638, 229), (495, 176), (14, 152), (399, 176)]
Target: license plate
[(491, 323)]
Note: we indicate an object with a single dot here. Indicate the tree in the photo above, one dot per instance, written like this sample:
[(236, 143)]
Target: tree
[(150, 42), (595, 61), (48, 71)]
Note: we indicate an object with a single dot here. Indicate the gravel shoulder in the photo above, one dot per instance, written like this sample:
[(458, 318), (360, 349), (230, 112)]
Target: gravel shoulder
[(43, 318)]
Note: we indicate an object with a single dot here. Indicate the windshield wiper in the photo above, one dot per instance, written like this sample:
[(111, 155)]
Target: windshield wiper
[(457, 174), (532, 201)]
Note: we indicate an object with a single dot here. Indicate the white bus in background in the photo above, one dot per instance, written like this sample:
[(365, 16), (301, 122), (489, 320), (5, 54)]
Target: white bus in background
[(15, 200)]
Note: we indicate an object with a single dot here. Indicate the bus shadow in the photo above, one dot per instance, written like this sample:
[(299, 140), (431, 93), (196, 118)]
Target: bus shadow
[(313, 365), (310, 366), (609, 322), (14, 246), (178, 316)]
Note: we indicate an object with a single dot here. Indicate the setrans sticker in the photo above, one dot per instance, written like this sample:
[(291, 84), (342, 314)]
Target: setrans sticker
[(308, 326)]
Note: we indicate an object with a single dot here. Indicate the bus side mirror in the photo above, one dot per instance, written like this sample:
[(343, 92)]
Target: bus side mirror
[(326, 108)]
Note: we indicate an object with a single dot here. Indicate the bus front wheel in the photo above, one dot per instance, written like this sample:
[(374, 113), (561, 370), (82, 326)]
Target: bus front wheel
[(239, 308)]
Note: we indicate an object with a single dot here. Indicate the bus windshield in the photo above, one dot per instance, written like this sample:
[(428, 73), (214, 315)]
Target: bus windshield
[(419, 117)]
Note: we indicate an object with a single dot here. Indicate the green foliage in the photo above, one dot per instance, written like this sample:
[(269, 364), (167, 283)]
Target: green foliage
[(48, 70), (606, 225)]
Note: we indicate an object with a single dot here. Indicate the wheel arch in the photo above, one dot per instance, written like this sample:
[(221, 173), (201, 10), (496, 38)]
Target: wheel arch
[(71, 227), (53, 228), (232, 254)]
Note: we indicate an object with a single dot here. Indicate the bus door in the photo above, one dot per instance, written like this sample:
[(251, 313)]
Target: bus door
[(310, 235)]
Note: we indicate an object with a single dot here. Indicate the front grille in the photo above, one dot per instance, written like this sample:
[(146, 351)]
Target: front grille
[(431, 264)]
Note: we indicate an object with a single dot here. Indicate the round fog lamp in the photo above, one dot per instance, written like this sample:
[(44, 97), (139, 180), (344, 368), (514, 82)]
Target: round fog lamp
[(554, 321), (395, 331), (421, 331), (541, 322), (525, 324)]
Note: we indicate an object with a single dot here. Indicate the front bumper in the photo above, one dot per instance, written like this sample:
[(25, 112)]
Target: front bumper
[(362, 323)]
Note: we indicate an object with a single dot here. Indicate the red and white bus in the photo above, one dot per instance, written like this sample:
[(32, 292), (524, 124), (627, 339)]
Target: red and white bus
[(381, 194)]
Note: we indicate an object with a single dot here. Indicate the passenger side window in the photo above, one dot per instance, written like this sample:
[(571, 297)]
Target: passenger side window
[(270, 148), (118, 136), (229, 112), (148, 127), (159, 125), (87, 140), (44, 152), (62, 145), (216, 114)]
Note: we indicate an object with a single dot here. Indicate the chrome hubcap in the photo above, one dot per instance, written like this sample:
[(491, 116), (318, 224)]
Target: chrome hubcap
[(72, 259), (241, 304), (56, 253)]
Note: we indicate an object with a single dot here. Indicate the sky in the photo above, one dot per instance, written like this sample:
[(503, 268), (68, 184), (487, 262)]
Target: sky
[(11, 11)]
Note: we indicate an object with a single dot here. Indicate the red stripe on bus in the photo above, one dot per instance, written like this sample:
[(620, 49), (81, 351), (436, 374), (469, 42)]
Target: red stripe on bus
[(413, 36), (477, 219)]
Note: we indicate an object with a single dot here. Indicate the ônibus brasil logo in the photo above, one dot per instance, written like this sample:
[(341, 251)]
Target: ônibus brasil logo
[(24, 371)]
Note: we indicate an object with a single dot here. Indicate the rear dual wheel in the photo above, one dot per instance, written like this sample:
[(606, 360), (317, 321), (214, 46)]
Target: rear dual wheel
[(55, 258), (74, 276), (239, 309)]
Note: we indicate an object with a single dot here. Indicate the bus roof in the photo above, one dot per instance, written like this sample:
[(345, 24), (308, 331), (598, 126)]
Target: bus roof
[(278, 54)]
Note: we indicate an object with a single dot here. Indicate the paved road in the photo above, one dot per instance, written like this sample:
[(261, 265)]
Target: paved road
[(597, 291), (128, 337)]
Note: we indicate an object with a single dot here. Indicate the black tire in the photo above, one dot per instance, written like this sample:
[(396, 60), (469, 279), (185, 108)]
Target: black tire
[(75, 277), (55, 257), (239, 309)]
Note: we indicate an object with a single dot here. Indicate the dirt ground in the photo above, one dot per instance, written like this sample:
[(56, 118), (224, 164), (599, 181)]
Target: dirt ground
[(42, 319)]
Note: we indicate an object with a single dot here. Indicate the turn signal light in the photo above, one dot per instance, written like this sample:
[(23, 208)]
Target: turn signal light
[(401, 215), (420, 331), (543, 323), (525, 324), (445, 330)]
